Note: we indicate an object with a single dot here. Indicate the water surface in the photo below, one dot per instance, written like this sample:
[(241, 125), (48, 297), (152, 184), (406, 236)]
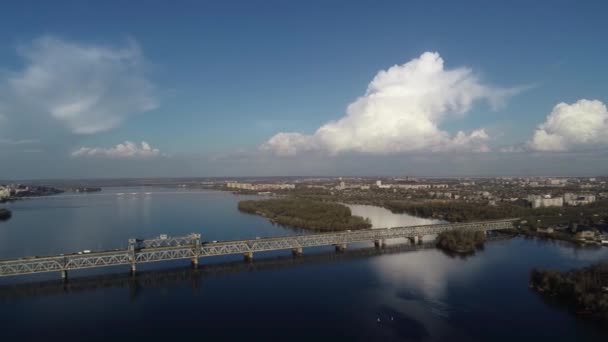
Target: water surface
[(398, 294)]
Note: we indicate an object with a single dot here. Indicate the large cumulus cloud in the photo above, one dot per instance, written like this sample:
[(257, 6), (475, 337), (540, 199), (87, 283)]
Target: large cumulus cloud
[(578, 126), (402, 111)]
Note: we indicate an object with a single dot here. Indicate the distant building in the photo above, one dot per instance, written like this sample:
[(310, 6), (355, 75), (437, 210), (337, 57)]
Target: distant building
[(545, 201), (578, 199), (5, 193), (260, 187), (439, 186), (484, 194), (414, 186), (440, 194), (383, 186), (586, 234)]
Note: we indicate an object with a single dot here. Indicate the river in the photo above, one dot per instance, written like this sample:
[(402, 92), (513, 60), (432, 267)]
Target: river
[(399, 294)]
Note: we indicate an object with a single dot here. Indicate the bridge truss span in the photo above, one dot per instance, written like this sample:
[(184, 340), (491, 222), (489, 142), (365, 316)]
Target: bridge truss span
[(192, 247)]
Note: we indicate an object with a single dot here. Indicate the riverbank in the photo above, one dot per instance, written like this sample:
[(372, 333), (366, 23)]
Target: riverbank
[(306, 214), (583, 291), (19, 191), (580, 225)]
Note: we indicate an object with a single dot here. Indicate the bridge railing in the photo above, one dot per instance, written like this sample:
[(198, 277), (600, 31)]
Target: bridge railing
[(169, 241), (191, 247)]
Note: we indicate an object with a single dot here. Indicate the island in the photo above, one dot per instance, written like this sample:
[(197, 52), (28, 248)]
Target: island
[(306, 214), (5, 214), (461, 241), (583, 291)]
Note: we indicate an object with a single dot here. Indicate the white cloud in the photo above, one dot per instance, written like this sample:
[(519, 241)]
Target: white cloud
[(577, 126), (401, 112), (87, 88), (127, 149)]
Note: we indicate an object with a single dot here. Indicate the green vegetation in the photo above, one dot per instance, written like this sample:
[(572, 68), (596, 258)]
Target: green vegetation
[(461, 241), (531, 219), (534, 222), (307, 214), (455, 211), (5, 214), (466, 211), (583, 291)]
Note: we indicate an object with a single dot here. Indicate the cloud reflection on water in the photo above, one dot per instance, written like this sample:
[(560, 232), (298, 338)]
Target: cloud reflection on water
[(384, 218)]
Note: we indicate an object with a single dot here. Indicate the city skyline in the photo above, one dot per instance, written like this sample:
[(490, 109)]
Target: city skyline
[(278, 89)]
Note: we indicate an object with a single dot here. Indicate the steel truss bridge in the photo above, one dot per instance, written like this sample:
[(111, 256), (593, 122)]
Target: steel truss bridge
[(192, 247)]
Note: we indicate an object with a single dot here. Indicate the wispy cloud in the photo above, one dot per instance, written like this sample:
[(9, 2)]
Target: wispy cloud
[(402, 111), (85, 88), (126, 150)]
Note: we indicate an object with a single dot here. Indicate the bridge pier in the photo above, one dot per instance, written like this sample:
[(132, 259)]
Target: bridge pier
[(296, 251), (187, 247), (248, 256), (195, 262)]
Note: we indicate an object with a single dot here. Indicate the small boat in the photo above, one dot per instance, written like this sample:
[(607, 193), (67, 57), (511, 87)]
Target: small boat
[(134, 193), (148, 193), (120, 194)]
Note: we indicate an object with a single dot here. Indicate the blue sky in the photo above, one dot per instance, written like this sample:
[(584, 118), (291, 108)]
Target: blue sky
[(223, 78)]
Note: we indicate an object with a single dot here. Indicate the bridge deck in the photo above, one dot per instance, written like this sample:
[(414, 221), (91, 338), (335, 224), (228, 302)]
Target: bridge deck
[(191, 247)]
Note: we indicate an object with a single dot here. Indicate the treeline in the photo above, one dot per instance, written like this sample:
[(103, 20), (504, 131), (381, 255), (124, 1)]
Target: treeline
[(584, 291), (307, 214), (456, 211), (5, 214), (465, 212), (460, 240)]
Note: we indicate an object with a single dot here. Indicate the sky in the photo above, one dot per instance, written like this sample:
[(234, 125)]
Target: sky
[(105, 89)]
